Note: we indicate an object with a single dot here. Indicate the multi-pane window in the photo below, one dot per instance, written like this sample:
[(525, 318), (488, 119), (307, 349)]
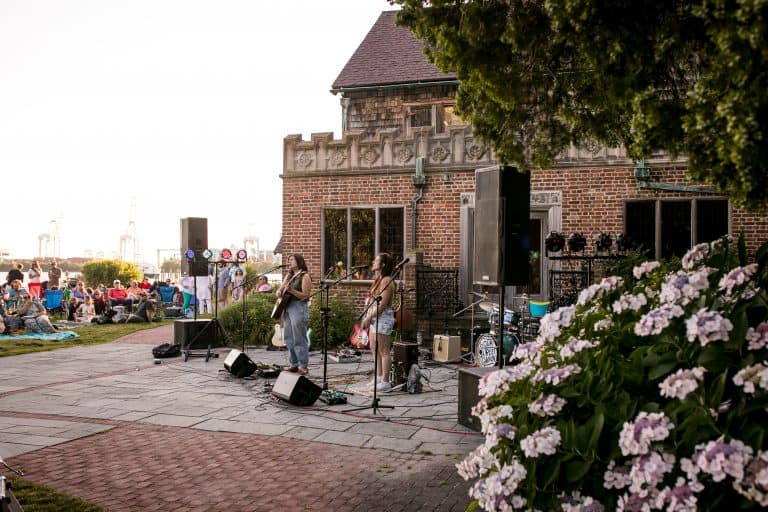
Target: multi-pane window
[(421, 116), (671, 227), (354, 235)]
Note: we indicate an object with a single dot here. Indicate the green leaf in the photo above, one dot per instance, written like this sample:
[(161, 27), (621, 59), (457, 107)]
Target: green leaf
[(576, 469)]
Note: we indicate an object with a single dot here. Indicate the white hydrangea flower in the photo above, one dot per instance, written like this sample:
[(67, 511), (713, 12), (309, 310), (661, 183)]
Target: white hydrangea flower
[(707, 326), (603, 325), (479, 462), (551, 323), (575, 502), (680, 498), (737, 277), (683, 287), (758, 336), (574, 346), (616, 477), (629, 302), (656, 320), (541, 442), (636, 436), (695, 255), (548, 405), (490, 417), (644, 268), (530, 352), (499, 381), (751, 376), (648, 470), (681, 383), (557, 374), (754, 484), (720, 459), (598, 290), (496, 491)]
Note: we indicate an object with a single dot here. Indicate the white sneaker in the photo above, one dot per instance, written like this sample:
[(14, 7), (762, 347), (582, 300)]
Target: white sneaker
[(371, 383), (383, 386)]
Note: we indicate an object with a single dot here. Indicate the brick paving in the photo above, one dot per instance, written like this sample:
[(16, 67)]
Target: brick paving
[(314, 461)]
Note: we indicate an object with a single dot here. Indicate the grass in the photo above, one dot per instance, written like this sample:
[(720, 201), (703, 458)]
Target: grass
[(92, 334), (35, 497)]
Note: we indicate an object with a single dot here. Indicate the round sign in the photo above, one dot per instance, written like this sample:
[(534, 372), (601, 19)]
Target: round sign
[(226, 254), (242, 255), (207, 254), (190, 254)]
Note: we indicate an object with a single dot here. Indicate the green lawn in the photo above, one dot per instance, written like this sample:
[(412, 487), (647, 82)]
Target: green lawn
[(92, 334), (38, 498)]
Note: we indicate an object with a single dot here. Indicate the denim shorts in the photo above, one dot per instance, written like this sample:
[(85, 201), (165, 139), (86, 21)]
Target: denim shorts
[(385, 323)]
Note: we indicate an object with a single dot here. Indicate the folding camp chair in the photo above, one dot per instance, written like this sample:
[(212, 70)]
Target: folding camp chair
[(165, 299), (54, 301)]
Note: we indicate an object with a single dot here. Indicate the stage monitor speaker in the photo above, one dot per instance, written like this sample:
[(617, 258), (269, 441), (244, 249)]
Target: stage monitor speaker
[(469, 378), (446, 349), (296, 389), (239, 364), (191, 333), (502, 217), (194, 235)]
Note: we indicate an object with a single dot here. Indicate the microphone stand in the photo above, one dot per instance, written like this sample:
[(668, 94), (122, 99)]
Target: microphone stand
[(375, 405), (325, 286), (245, 300)]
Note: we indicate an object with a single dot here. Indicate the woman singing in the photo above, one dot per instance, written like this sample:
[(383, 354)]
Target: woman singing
[(380, 327), (296, 287)]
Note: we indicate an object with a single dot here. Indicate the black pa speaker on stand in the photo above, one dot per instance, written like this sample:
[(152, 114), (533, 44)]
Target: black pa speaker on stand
[(194, 235), (296, 389), (239, 364), (502, 218)]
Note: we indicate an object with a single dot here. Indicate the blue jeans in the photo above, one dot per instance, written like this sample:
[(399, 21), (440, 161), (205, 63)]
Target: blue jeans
[(295, 320)]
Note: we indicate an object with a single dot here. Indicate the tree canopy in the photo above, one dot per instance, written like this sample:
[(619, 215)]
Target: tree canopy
[(680, 77)]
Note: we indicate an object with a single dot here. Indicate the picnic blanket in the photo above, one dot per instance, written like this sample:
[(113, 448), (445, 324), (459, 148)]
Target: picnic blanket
[(54, 336)]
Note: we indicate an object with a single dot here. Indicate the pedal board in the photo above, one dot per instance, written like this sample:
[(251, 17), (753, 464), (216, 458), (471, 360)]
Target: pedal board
[(344, 357), (333, 397)]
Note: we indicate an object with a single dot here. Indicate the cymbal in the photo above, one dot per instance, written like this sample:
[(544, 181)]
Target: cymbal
[(488, 307)]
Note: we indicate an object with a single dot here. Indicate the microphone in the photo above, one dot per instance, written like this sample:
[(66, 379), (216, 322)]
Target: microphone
[(400, 265), (359, 267)]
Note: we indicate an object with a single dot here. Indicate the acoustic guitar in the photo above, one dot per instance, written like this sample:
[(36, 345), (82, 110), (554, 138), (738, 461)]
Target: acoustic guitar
[(282, 302), (277, 338)]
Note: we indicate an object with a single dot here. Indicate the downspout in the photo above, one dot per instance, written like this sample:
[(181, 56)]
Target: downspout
[(419, 181)]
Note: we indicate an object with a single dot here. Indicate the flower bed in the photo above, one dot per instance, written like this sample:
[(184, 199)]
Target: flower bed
[(649, 394)]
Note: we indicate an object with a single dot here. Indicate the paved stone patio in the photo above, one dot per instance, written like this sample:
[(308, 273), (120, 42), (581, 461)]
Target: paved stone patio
[(108, 424)]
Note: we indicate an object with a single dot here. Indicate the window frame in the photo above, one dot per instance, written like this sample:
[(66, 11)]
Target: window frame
[(350, 235), (694, 228)]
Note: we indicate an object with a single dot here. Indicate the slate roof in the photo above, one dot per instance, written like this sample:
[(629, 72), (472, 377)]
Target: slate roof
[(388, 55)]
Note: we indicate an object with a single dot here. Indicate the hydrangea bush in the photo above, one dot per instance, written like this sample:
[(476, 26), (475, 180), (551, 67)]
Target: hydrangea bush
[(650, 393)]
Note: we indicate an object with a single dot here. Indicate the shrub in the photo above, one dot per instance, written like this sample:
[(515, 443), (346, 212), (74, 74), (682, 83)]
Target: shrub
[(106, 271), (258, 326), (341, 320), (650, 393)]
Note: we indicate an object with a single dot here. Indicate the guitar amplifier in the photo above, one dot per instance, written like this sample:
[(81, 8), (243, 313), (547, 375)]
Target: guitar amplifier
[(446, 349), (405, 355)]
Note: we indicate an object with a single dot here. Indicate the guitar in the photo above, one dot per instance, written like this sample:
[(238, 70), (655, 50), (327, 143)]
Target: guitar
[(359, 338), (277, 338), (282, 302)]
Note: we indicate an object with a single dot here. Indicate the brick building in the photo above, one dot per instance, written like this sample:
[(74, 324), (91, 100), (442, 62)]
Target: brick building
[(401, 179)]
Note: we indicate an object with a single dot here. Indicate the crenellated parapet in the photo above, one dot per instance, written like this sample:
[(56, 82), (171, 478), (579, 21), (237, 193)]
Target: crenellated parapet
[(390, 150), (386, 149)]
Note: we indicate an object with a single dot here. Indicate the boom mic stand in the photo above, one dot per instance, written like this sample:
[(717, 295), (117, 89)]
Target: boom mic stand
[(245, 298), (375, 405)]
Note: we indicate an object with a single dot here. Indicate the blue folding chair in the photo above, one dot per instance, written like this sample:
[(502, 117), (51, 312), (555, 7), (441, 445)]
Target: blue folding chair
[(54, 301)]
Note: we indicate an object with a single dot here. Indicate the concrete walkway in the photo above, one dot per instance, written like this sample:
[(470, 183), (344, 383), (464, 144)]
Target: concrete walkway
[(108, 424)]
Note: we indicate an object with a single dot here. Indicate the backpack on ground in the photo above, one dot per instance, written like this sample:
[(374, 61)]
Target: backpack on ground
[(166, 350)]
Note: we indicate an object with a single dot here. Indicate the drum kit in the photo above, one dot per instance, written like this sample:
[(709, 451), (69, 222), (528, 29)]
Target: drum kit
[(518, 326)]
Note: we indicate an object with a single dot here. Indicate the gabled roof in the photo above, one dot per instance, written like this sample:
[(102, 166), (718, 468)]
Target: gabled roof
[(388, 55)]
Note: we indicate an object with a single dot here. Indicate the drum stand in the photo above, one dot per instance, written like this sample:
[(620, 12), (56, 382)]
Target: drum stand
[(469, 357)]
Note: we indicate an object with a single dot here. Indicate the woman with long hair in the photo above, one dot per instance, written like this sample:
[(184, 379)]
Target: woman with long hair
[(296, 290), (380, 320), (35, 280)]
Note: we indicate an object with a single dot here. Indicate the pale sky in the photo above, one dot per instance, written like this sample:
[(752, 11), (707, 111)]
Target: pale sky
[(178, 107)]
